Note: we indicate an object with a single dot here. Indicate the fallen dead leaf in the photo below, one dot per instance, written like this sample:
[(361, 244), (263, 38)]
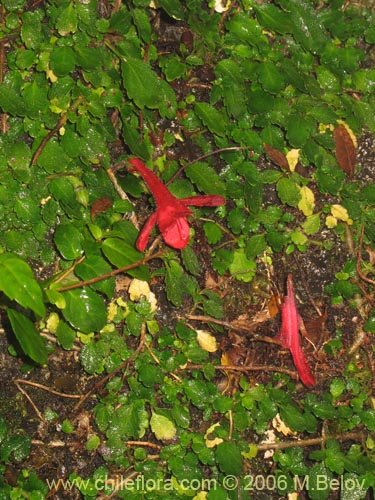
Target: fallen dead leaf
[(345, 149)]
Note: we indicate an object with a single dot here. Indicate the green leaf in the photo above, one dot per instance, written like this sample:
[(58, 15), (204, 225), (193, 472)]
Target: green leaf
[(297, 420), (35, 98), (312, 224), (236, 220), (63, 61), (214, 120), (92, 267), (174, 279), (131, 420), (255, 246), (242, 268), (213, 232), (141, 20), (142, 84), (32, 344), (18, 283), (67, 20), (19, 155), (53, 158), (300, 129), (15, 446), (134, 142), (162, 427), (229, 458), (337, 387), (191, 263), (84, 310), (206, 178), (172, 7), (320, 478), (288, 191), (307, 28), (65, 335), (121, 254), (270, 77), (273, 19), (68, 240), (352, 487)]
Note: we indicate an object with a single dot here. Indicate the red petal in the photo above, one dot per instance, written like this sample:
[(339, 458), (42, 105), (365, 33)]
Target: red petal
[(177, 233), (206, 200), (145, 232)]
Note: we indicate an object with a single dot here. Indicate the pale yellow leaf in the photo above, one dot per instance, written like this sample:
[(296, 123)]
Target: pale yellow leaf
[(293, 496), (138, 289), (202, 495), (251, 453), (307, 201), (220, 8), (331, 221), (211, 443), (206, 341), (112, 311), (293, 158), (163, 428), (281, 426), (340, 212), (52, 322)]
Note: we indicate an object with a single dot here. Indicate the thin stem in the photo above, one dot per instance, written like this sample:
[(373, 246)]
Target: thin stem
[(203, 157), (111, 274), (51, 133)]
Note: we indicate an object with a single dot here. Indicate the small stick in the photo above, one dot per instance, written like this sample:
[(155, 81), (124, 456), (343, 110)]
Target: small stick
[(40, 416), (48, 389)]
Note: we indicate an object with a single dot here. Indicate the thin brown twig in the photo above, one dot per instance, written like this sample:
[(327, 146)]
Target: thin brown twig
[(254, 368), (121, 193), (146, 444), (235, 326), (203, 157), (48, 389), (51, 444), (80, 284), (35, 408), (55, 129), (350, 436)]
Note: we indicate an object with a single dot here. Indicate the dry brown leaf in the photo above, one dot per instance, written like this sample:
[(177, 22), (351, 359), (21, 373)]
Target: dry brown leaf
[(345, 150), (100, 205), (276, 156)]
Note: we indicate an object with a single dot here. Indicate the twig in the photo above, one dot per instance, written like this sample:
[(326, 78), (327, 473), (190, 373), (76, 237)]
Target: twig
[(235, 326), (110, 172), (48, 389), (203, 157), (40, 416), (254, 368), (55, 129), (51, 444), (146, 444), (80, 284), (355, 436)]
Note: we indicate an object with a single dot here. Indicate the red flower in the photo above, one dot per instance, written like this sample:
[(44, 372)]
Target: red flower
[(171, 213), (290, 337)]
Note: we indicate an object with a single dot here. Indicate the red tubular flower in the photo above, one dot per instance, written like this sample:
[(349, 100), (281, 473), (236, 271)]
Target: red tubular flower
[(290, 337), (171, 213)]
